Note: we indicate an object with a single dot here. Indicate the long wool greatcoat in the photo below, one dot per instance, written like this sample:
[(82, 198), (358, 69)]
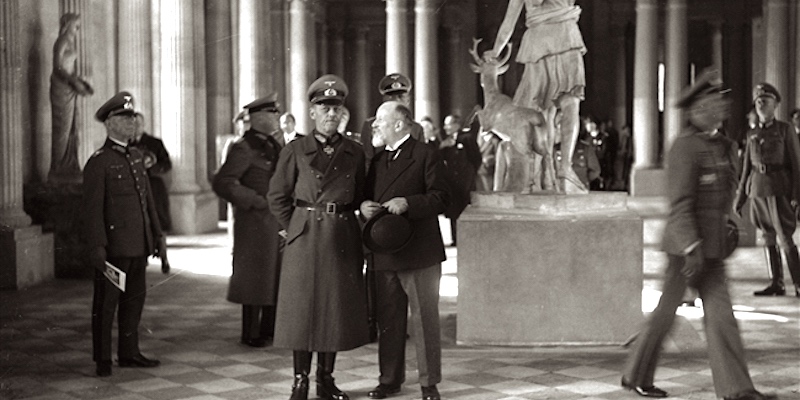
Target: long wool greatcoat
[(322, 300), (243, 180)]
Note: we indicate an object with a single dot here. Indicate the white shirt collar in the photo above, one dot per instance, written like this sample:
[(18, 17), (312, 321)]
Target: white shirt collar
[(119, 142), (399, 143), (288, 137)]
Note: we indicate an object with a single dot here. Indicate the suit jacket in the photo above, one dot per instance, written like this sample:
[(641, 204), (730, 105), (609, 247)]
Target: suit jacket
[(701, 176), (119, 213), (461, 163), (415, 174), (278, 136)]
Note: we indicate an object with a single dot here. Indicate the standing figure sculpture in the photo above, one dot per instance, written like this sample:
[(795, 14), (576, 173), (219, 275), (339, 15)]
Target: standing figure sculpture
[(554, 79), (65, 87)]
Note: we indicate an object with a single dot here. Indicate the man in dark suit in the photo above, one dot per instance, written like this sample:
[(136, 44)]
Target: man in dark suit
[(243, 180), (462, 158), (701, 173), (287, 133), (121, 228), (405, 178)]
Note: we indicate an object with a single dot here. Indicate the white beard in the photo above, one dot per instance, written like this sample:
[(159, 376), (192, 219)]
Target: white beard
[(377, 141)]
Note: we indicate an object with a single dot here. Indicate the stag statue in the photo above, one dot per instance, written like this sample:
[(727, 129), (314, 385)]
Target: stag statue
[(528, 131)]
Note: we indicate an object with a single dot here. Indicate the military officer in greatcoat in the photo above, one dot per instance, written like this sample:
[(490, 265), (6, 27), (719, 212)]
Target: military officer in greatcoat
[(121, 229), (243, 180), (317, 186), (701, 179), (771, 179)]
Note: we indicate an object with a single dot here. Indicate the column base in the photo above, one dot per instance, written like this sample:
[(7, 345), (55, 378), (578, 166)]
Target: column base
[(26, 257), (648, 182), (194, 213)]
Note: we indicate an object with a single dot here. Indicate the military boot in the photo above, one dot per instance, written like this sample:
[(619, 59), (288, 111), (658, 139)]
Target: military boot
[(326, 389), (302, 366), (793, 261), (775, 273)]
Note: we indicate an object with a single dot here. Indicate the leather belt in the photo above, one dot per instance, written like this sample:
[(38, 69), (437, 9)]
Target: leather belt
[(767, 168), (329, 208)]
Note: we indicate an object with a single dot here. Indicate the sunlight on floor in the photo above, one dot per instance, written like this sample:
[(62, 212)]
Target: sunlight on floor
[(650, 299)]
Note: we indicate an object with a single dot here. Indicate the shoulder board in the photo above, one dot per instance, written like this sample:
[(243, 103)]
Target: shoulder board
[(97, 153)]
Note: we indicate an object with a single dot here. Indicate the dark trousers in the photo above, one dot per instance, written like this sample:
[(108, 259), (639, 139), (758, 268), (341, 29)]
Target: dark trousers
[(774, 216), (107, 298), (396, 292), (258, 322), (725, 350)]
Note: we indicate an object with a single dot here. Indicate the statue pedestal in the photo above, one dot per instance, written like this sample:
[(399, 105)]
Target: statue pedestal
[(549, 269), (57, 208)]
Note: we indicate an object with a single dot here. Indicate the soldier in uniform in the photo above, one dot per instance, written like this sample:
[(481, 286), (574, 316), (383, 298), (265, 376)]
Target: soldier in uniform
[(318, 184), (243, 180), (462, 158), (393, 87), (771, 179), (158, 164), (121, 228), (701, 179)]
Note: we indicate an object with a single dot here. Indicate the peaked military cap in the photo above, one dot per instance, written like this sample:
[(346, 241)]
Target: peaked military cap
[(121, 103), (328, 89), (709, 81), (267, 103), (764, 89), (393, 83)]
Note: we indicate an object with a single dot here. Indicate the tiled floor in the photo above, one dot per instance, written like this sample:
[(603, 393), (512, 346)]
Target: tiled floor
[(45, 344)]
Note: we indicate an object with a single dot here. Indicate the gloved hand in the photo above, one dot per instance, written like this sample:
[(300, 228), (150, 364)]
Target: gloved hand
[(97, 257), (692, 269)]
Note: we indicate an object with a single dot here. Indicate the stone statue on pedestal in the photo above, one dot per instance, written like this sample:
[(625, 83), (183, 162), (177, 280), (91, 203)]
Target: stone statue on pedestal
[(552, 46), (65, 87)]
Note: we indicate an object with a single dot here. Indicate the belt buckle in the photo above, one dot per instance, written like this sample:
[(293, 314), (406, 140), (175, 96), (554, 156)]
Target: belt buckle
[(330, 208), (762, 168)]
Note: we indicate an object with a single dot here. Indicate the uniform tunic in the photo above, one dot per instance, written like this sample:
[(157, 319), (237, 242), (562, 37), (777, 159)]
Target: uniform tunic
[(243, 181), (771, 179), (322, 300)]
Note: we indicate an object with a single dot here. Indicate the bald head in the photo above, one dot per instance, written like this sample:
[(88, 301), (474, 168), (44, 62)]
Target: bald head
[(392, 122)]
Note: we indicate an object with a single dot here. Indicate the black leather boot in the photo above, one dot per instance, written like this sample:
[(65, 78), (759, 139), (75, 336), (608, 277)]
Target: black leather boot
[(326, 389), (302, 366), (775, 273), (793, 259)]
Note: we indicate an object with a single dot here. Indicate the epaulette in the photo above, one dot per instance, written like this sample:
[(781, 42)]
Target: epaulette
[(96, 153)]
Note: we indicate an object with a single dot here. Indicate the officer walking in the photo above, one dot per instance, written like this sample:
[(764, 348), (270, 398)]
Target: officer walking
[(701, 175), (243, 180), (317, 185), (771, 179), (121, 229)]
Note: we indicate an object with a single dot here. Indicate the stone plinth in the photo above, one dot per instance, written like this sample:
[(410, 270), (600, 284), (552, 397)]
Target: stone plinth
[(549, 269), (26, 257)]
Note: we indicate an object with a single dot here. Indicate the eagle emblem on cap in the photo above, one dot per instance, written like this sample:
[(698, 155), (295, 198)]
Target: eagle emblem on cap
[(330, 83)]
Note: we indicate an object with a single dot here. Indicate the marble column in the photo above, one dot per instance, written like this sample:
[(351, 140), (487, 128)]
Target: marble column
[(645, 100), (302, 53), (397, 55), (219, 79), (776, 68), (322, 49), (337, 53), (360, 86), (456, 91), (797, 58), (620, 110), (426, 62), (676, 68), (134, 58), (255, 51), (26, 256), (181, 99), (716, 44)]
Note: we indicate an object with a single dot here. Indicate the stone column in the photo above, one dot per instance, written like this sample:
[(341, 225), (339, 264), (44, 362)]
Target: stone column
[(255, 55), (322, 49), (797, 59), (360, 86), (219, 79), (456, 91), (620, 111), (397, 37), (26, 256), (426, 62), (302, 51), (134, 58), (180, 79), (337, 53), (776, 61), (676, 68), (716, 44), (645, 101)]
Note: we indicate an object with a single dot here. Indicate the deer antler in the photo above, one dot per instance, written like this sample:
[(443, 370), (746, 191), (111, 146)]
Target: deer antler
[(474, 51)]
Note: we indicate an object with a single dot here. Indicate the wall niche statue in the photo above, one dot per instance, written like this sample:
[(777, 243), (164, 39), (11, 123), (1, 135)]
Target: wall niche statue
[(65, 87)]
